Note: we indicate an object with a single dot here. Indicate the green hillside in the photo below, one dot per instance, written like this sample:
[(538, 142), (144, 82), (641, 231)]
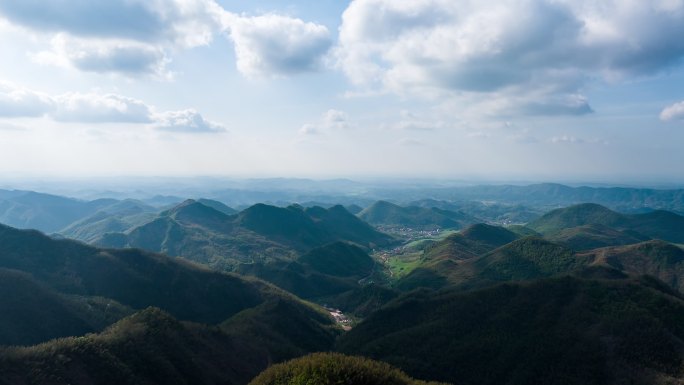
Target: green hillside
[(343, 225), (284, 328), (105, 221), (363, 300), (334, 369), (284, 225), (523, 259), (324, 271), (45, 212), (60, 288), (298, 279), (390, 214), (260, 233), (593, 236), (656, 258), (131, 277), (563, 330), (339, 259), (657, 224), (218, 206), (473, 241), (151, 347), (33, 313)]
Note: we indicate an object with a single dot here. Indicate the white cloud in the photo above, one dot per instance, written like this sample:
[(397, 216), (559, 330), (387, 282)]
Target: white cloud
[(98, 108), (535, 56), (120, 56), (673, 112), (185, 23), (138, 37), (17, 101), (273, 45), (331, 120), (186, 121), (130, 37)]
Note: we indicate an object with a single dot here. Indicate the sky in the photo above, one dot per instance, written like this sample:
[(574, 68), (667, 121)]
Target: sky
[(544, 90)]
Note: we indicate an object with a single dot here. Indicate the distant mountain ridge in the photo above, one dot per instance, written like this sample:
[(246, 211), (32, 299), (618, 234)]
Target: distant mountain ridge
[(625, 199), (259, 233), (660, 224), (390, 214)]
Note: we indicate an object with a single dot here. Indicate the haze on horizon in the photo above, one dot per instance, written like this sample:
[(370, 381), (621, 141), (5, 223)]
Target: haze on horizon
[(508, 90)]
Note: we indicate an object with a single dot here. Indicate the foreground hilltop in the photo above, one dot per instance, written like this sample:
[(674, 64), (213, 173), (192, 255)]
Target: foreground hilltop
[(332, 368)]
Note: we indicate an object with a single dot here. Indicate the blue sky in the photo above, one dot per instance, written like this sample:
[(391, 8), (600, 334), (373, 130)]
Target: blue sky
[(548, 90)]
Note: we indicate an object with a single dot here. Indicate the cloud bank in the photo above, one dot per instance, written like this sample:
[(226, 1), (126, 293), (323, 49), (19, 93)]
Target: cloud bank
[(536, 55), (130, 37), (18, 102), (138, 37)]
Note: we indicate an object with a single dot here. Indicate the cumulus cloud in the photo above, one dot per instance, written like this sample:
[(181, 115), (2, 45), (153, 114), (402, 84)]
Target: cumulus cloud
[(331, 120), (98, 108), (673, 112), (273, 45), (138, 37), (130, 37), (183, 22), (541, 52), (125, 57), (186, 121), (16, 101)]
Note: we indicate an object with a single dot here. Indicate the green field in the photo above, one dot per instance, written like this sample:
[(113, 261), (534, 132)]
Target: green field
[(403, 264), (398, 264)]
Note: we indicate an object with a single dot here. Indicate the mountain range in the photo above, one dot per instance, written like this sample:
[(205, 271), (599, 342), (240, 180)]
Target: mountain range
[(259, 233), (200, 293)]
